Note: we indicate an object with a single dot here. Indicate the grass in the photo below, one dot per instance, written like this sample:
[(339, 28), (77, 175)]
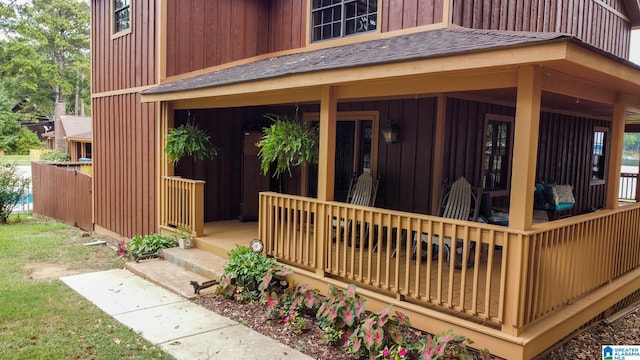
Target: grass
[(16, 159), (42, 318)]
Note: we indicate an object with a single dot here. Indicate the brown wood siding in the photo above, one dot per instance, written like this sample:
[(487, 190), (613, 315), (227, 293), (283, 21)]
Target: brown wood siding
[(126, 61), (404, 14), (62, 193), (564, 150), (205, 33), (125, 160), (585, 19)]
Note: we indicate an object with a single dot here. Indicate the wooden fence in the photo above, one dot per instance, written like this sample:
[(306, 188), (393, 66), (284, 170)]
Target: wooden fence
[(62, 192)]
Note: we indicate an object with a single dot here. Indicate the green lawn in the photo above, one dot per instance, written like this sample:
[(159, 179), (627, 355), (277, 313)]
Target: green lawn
[(40, 317), (15, 159)]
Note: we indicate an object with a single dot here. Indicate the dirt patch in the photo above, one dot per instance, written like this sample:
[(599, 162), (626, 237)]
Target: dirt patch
[(45, 271)]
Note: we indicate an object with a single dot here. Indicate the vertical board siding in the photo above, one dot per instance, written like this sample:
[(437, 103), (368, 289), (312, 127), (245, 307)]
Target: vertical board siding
[(585, 19), (62, 193), (126, 61), (205, 33), (564, 155), (404, 14), (125, 159)]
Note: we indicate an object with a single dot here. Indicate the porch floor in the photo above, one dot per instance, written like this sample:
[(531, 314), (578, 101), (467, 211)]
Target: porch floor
[(221, 236)]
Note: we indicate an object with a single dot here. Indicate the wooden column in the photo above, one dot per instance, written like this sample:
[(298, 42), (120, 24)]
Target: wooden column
[(438, 149), (525, 147), (326, 159), (616, 140)]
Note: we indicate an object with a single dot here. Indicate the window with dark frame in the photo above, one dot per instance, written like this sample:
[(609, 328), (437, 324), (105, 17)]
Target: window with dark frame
[(121, 15), (496, 162), (338, 18), (598, 160)]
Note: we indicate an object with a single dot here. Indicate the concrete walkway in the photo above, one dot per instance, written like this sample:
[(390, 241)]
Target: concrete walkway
[(174, 324)]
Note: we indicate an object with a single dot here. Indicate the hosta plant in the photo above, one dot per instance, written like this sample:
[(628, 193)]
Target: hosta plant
[(150, 243)]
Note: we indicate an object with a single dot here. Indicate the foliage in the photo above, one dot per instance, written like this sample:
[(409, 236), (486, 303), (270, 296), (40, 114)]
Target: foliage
[(27, 140), (377, 332), (58, 156), (244, 273), (9, 125), (190, 140), (287, 143), (341, 311), (45, 55), (150, 243), (13, 188), (437, 347)]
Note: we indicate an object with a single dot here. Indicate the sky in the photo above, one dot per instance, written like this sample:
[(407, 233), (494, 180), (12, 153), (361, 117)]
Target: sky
[(634, 54)]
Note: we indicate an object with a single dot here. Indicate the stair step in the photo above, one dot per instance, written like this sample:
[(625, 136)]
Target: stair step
[(179, 268)]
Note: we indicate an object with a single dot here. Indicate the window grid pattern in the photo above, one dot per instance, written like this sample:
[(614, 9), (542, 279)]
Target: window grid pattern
[(338, 18), (496, 156), (121, 15)]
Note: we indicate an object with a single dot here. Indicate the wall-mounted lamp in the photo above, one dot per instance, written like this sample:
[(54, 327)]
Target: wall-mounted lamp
[(390, 133)]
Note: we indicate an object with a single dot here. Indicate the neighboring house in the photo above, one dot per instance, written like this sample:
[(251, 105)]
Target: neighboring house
[(78, 135), (504, 93)]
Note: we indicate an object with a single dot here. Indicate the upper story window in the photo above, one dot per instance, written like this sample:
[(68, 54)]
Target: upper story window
[(337, 18), (121, 15), (498, 140), (599, 155)]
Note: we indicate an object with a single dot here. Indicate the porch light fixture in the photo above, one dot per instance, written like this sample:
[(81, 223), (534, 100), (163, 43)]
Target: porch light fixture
[(390, 133)]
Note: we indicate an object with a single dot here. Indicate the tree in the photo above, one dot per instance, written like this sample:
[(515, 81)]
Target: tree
[(13, 188), (9, 125), (45, 56)]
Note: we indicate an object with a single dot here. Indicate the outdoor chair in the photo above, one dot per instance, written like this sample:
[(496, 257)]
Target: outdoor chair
[(458, 201), (362, 191), (556, 200)]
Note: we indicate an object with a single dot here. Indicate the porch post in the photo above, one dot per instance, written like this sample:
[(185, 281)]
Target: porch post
[(326, 162), (525, 147), (165, 114), (438, 147), (616, 147)]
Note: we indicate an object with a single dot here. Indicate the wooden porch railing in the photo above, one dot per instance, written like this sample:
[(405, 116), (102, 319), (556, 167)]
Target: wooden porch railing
[(628, 186), (183, 203), (374, 248), (513, 277)]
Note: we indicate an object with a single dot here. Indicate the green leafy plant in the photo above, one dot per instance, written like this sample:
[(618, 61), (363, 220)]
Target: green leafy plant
[(150, 243), (245, 270), (58, 156), (13, 188), (448, 344), (287, 143), (377, 332), (340, 311), (190, 140)]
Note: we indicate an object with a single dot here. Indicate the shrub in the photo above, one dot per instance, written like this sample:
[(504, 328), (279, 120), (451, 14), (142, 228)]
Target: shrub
[(26, 141), (378, 332), (58, 156), (13, 187), (244, 273), (150, 243), (340, 313)]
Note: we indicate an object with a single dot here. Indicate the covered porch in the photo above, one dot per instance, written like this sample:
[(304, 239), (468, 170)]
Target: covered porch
[(521, 287)]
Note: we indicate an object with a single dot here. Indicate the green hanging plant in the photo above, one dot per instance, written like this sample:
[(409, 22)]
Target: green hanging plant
[(190, 140), (287, 143)]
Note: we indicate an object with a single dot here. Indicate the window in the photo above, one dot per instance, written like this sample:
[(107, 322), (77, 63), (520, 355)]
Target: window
[(496, 162), (121, 15), (598, 165), (337, 18), (356, 142)]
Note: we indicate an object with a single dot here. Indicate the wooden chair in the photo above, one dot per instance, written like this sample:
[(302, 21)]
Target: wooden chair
[(458, 201), (362, 191)]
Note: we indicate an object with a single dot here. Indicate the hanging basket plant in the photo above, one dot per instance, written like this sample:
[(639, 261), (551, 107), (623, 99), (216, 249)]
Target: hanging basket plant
[(189, 140), (287, 143)]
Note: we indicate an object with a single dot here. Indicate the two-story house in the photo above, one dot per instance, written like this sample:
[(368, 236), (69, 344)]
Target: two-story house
[(507, 94)]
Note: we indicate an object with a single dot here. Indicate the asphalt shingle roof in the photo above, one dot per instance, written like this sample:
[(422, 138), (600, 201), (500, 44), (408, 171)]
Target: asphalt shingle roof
[(416, 46)]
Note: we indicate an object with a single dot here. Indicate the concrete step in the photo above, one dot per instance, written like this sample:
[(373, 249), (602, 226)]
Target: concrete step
[(179, 268)]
